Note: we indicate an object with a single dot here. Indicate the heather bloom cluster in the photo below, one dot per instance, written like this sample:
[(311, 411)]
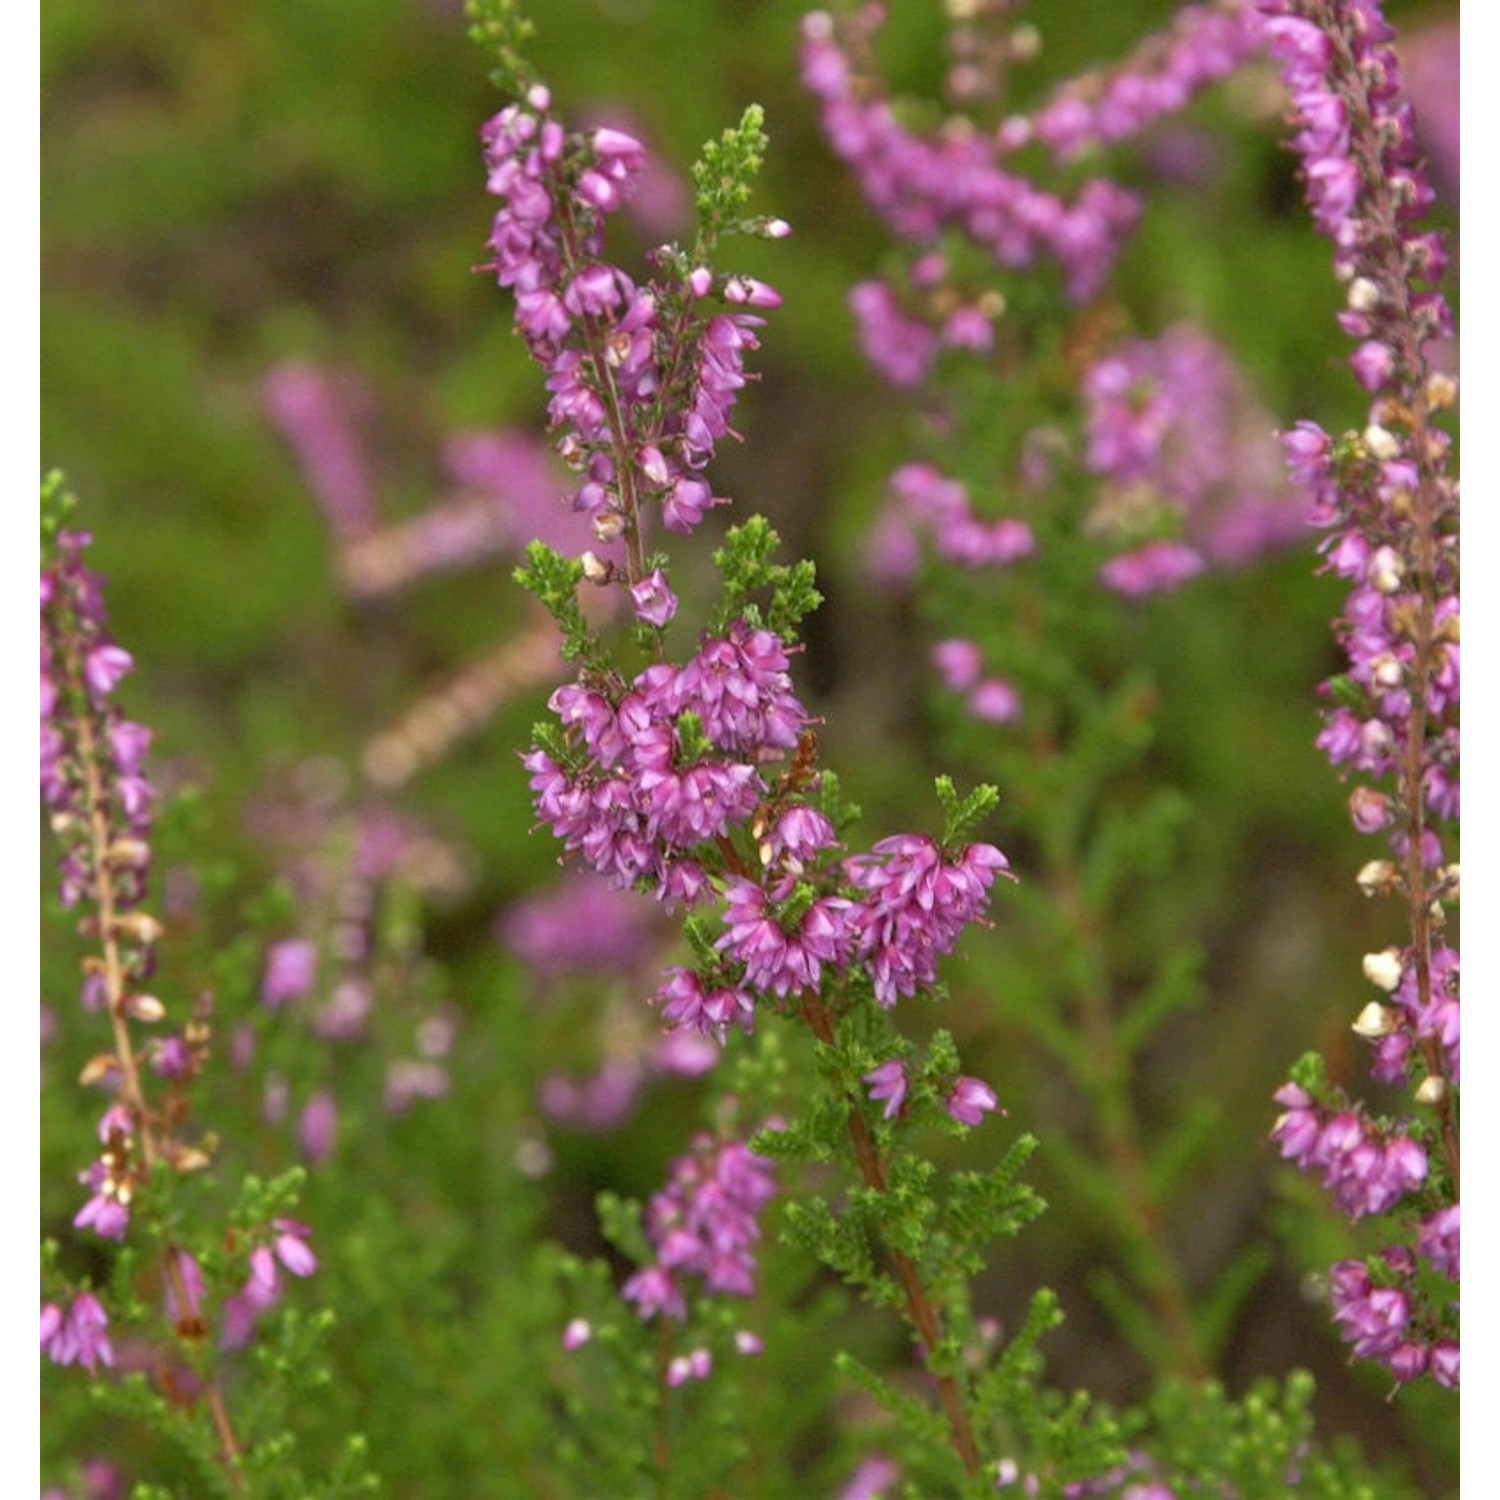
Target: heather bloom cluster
[(1180, 447), (79, 1335), (1203, 45), (926, 502), (586, 927), (1390, 508), (952, 178), (94, 787), (642, 379), (642, 789), (704, 1226)]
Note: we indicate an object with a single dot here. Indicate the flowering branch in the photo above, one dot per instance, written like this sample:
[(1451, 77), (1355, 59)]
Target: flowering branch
[(1391, 509)]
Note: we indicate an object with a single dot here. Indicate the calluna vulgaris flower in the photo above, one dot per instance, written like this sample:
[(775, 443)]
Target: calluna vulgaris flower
[(704, 1225), (1391, 511)]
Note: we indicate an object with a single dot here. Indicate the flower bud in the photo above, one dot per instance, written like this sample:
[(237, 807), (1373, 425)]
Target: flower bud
[(145, 1008), (1364, 295), (138, 927), (1374, 1021), (1385, 570), (1442, 390), (595, 570), (1383, 969), (128, 853), (1433, 1089), (99, 1067), (1377, 877), (1380, 442)]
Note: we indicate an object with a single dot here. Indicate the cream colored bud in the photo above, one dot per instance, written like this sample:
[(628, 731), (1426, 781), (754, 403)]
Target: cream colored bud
[(100, 1066), (145, 1008), (1442, 390), (1025, 42), (1364, 295), (608, 525), (1450, 881), (1380, 442), (594, 568), (1386, 570), (1433, 1089), (1377, 877), (128, 853), (1374, 1021), (1383, 969), (139, 927), (1386, 671)]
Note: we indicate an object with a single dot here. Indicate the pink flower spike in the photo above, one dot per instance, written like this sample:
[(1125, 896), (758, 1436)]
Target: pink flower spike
[(970, 1100)]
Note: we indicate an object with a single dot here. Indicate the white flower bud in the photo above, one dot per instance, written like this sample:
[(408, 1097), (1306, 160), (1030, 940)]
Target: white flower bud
[(1364, 295), (1383, 969), (1380, 442), (1385, 570), (1442, 390), (593, 569), (608, 525), (1374, 1021), (146, 1008), (1376, 877), (1432, 1090)]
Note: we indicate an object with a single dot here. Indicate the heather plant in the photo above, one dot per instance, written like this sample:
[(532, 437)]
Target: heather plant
[(714, 1161)]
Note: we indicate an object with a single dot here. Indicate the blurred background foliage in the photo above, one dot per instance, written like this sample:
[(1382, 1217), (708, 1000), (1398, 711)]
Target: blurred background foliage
[(227, 185)]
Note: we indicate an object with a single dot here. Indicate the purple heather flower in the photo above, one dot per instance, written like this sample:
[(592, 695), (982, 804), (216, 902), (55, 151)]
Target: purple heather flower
[(970, 1100), (291, 968), (888, 1082), (683, 1367), (916, 907), (191, 1274), (711, 1011), (79, 1336), (923, 185), (655, 603), (317, 1126), (314, 412), (1155, 568), (995, 701), (703, 1225), (1437, 1242), (958, 663), (870, 1481)]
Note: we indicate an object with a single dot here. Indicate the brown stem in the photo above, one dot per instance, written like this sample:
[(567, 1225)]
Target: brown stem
[(920, 1312), (131, 1092)]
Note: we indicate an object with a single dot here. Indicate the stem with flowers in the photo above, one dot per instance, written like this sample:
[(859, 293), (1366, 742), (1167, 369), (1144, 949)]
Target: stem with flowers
[(1390, 506)]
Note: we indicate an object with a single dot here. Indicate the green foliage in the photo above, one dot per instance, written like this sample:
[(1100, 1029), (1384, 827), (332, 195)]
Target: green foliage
[(723, 180), (501, 28), (744, 563), (553, 581)]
